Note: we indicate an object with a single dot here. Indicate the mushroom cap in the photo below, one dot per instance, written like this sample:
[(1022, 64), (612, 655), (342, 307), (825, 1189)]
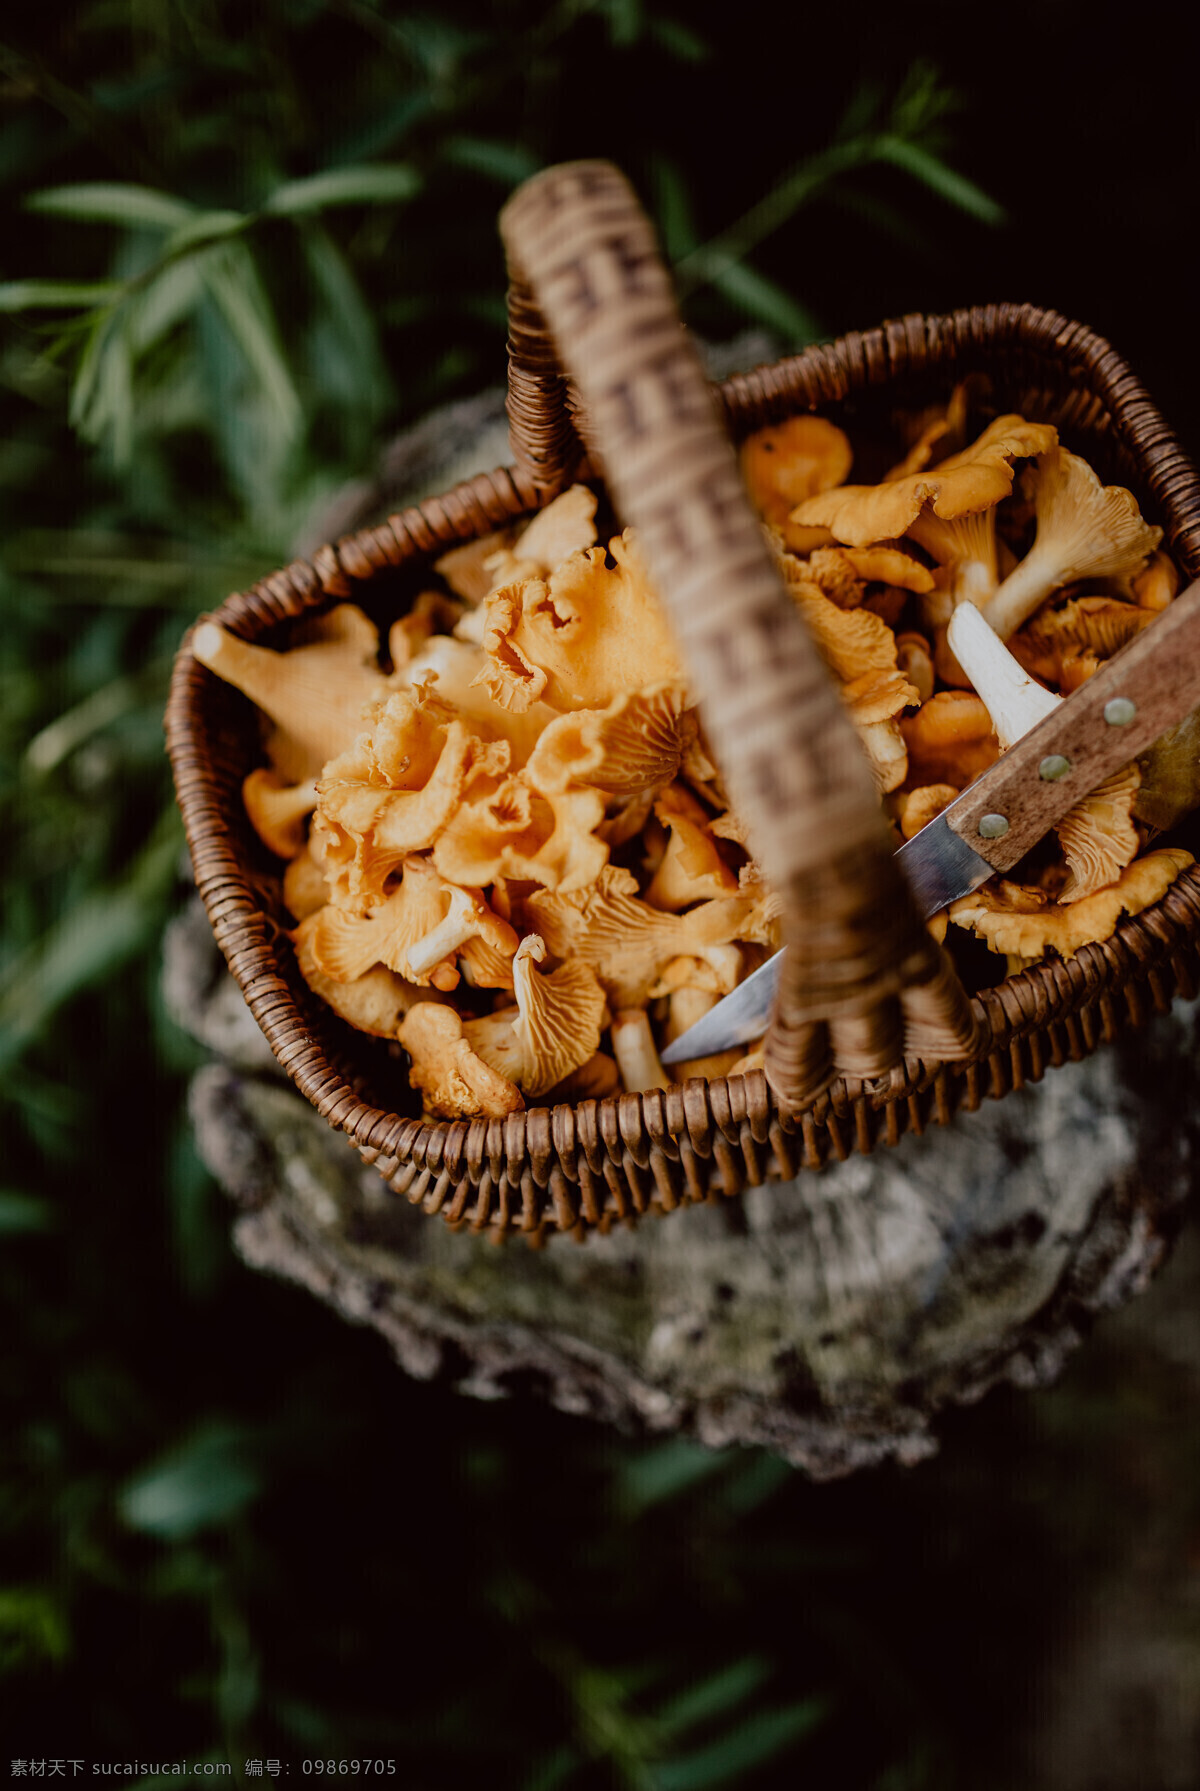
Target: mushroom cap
[(922, 805), (497, 831), (456, 668), (564, 527), (581, 638), (979, 477), (433, 614), (787, 462), (278, 810), (361, 834), (1086, 626), (1014, 919), (950, 739), (1084, 530), (1098, 835), (887, 564), (554, 1028), (314, 694), (375, 1002), (634, 743), (454, 1081), (691, 869), (345, 946), (465, 568), (851, 642), (1157, 585)]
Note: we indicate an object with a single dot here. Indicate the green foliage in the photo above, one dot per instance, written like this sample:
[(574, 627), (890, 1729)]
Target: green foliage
[(242, 243)]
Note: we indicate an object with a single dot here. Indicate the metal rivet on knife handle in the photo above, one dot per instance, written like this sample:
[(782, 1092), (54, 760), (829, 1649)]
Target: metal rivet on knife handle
[(992, 827), (1052, 767), (1119, 712)]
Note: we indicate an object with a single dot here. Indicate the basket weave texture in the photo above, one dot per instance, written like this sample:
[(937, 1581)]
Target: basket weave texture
[(571, 1168)]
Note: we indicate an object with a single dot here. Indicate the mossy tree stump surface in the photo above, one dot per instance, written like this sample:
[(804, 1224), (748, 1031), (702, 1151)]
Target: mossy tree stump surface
[(828, 1318)]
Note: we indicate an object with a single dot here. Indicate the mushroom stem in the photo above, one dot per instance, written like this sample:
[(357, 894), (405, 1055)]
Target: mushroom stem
[(1014, 700), (1084, 530), (314, 694), (460, 924), (634, 1050)]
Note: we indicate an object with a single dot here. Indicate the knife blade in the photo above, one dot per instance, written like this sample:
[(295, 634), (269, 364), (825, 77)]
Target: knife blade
[(1146, 688)]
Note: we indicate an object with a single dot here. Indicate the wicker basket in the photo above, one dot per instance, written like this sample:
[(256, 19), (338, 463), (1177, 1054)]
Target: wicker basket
[(571, 1168)]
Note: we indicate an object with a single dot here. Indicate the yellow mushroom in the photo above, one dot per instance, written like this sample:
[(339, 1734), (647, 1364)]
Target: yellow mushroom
[(787, 462), (1156, 586), (304, 886), (417, 931), (1014, 919), (634, 743), (914, 659), (552, 1031), (361, 833), (950, 739), (626, 941), (315, 694), (278, 810), (1063, 646), (581, 638), (564, 527), (976, 479), (1084, 530), (922, 805), (635, 1051), (450, 672), (375, 1001), (687, 1006), (691, 868), (873, 702), (454, 1081)]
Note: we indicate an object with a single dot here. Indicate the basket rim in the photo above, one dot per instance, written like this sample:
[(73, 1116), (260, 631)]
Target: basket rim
[(912, 347)]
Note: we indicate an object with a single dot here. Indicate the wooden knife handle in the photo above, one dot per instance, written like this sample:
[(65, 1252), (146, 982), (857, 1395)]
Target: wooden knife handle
[(1158, 674)]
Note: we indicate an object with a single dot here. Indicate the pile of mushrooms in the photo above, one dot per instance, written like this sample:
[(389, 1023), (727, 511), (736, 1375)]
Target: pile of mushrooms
[(506, 844)]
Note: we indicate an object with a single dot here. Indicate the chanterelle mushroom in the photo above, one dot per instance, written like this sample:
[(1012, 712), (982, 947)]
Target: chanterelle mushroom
[(626, 941), (787, 462), (974, 480), (278, 810), (634, 743), (1066, 645), (315, 694), (554, 1028), (1084, 530), (582, 637), (564, 527), (1022, 922), (456, 1083)]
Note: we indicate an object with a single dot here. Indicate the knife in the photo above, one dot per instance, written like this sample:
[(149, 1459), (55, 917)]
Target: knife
[(1146, 688)]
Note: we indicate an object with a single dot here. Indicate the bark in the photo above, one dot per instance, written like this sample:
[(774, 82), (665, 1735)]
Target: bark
[(829, 1318)]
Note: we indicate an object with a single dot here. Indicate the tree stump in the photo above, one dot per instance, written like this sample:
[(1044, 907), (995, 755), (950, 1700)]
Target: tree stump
[(828, 1318)]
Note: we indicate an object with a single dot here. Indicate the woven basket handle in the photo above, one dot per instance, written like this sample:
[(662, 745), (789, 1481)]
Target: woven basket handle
[(590, 297)]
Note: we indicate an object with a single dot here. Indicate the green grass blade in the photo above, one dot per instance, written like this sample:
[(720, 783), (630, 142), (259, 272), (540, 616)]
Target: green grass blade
[(113, 202)]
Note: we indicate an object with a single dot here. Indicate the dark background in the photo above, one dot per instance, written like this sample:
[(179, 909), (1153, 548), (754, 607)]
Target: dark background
[(229, 1528)]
